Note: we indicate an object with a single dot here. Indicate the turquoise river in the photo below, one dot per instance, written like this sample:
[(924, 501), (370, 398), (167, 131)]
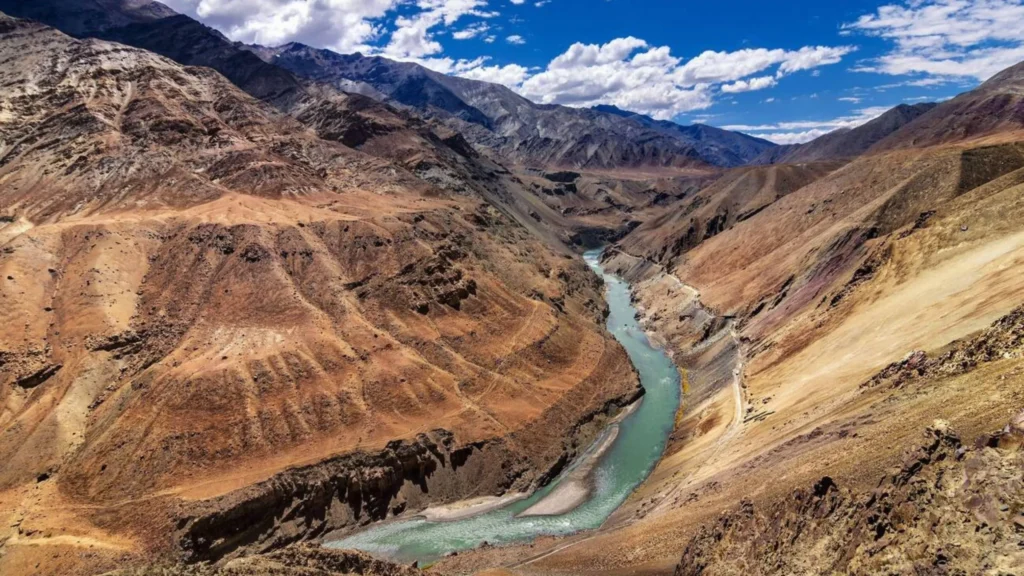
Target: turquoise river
[(621, 468)]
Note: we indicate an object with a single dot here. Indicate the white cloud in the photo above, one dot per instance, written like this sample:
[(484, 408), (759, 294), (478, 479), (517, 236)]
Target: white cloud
[(342, 25), (631, 74), (944, 38), (801, 131), (714, 66), (471, 31), (853, 99), (414, 37), (759, 83), (510, 75), (626, 72)]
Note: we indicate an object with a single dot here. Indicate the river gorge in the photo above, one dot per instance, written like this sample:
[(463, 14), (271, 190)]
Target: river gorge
[(585, 494)]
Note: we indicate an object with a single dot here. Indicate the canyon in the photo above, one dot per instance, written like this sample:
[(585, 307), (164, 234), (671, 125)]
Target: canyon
[(260, 299)]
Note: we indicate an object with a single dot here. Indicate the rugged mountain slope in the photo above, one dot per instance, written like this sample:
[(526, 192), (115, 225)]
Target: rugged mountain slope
[(736, 196), (519, 129), (434, 153), (488, 114), (155, 27), (299, 560), (949, 509), (716, 146), (201, 293), (848, 142), (995, 107)]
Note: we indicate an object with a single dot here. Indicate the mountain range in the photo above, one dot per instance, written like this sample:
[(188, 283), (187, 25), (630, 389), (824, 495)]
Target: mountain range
[(488, 115)]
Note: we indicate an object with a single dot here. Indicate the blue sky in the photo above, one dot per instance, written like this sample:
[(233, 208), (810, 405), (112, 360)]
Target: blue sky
[(788, 71)]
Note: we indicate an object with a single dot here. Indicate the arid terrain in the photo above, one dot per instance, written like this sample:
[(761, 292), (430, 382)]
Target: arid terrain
[(244, 308)]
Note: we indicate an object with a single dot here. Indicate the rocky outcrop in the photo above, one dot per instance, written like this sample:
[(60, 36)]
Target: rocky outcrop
[(1003, 340), (356, 489), (949, 509), (345, 491)]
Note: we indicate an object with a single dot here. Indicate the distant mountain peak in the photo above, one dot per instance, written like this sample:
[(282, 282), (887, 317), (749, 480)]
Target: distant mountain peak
[(613, 109)]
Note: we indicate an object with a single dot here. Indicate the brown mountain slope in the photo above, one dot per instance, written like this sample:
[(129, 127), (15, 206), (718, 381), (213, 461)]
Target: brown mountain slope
[(736, 196), (947, 509), (848, 142), (429, 150), (995, 107), (155, 27), (200, 292)]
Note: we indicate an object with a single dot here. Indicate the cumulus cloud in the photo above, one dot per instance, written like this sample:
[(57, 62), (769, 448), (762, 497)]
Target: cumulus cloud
[(342, 25), (711, 66), (945, 38), (471, 31), (515, 39), (759, 83), (802, 131), (631, 74), (414, 35), (510, 75)]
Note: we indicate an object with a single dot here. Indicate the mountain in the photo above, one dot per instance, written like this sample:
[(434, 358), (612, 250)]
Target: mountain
[(155, 27), (430, 150), (716, 146), (488, 115), (210, 308), (734, 197), (997, 106), (846, 143), (494, 116)]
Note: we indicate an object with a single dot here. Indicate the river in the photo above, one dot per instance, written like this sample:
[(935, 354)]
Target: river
[(637, 447)]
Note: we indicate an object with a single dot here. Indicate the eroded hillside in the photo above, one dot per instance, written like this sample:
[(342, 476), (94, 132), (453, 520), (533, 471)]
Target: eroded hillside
[(201, 293)]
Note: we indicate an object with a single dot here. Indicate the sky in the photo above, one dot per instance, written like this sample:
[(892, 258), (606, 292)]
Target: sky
[(786, 71)]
